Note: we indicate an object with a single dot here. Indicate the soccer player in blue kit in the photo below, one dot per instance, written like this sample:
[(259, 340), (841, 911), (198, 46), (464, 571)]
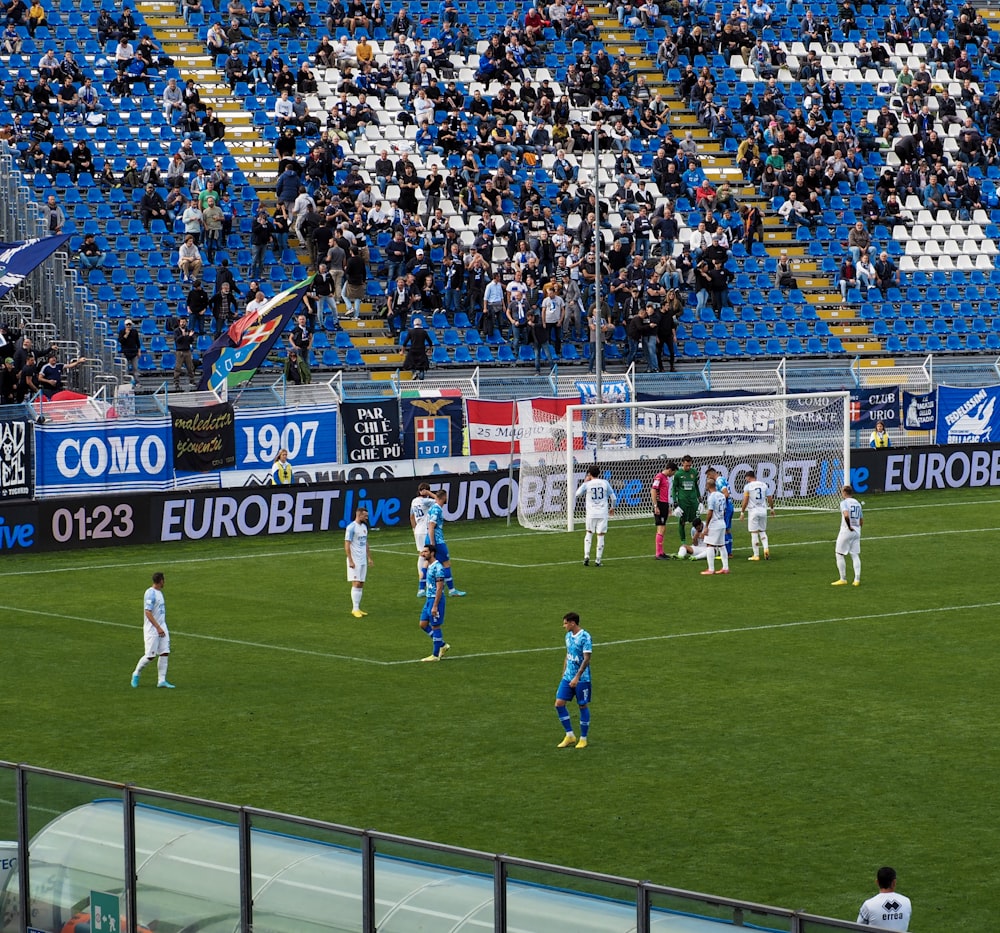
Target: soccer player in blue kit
[(575, 683), (435, 536), (432, 615)]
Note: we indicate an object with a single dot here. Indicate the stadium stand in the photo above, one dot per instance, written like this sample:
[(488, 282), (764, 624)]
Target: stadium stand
[(813, 181)]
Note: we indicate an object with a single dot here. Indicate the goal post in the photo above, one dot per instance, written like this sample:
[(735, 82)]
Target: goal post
[(798, 444)]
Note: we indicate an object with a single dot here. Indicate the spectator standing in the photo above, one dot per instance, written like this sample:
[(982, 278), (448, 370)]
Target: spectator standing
[(184, 339), (130, 344)]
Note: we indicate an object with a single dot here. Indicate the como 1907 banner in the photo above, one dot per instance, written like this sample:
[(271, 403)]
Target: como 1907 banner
[(204, 438)]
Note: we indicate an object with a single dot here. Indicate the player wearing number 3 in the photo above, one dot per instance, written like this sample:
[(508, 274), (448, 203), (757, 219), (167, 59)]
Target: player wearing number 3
[(758, 503), (432, 615), (601, 501), (849, 539)]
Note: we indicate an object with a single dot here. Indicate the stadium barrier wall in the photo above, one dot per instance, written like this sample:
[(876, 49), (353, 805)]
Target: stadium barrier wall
[(894, 469), (215, 867)]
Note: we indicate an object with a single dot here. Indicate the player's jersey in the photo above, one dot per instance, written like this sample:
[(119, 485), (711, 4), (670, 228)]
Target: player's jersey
[(357, 534), (716, 504), (419, 508), (685, 487), (576, 646), (853, 509), (721, 484), (154, 602), (887, 910), (661, 487), (436, 572), (435, 514), (756, 491), (600, 499)]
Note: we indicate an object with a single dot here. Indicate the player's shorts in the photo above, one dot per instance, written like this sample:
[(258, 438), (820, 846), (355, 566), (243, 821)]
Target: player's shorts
[(598, 526), (441, 552), (581, 692), (849, 542), (358, 572), (661, 517), (699, 553), (427, 614), (757, 520), (155, 644), (420, 537), (716, 534), (690, 511)]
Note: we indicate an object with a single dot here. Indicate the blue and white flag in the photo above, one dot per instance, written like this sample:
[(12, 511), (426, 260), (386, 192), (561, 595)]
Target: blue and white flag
[(18, 260)]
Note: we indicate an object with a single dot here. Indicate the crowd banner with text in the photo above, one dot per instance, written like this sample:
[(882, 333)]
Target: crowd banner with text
[(890, 469), (967, 416), (104, 456), (309, 434), (371, 431), (237, 354), (919, 411), (19, 259), (16, 474), (204, 438), (530, 425), (432, 427), (873, 404)]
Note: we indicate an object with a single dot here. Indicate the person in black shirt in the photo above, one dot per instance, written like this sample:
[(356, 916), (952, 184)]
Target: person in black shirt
[(417, 340), (130, 344), (184, 339)]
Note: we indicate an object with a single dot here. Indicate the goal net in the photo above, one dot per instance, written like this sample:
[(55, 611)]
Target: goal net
[(799, 445)]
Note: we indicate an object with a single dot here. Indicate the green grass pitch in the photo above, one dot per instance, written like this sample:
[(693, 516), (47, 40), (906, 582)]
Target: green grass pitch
[(763, 735)]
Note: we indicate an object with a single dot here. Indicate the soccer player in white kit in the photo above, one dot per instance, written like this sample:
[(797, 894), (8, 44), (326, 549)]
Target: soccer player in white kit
[(418, 522), (715, 537), (600, 501), (358, 559), (757, 503), (887, 910), (155, 634), (849, 539)]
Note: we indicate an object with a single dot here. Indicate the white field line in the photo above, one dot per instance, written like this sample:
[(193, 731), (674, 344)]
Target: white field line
[(673, 636)]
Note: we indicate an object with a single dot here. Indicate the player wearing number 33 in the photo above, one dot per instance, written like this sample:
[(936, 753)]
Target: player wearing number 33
[(600, 501), (849, 539), (432, 615), (575, 683)]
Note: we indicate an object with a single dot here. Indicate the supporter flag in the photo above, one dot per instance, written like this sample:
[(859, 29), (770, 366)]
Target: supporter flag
[(432, 427), (238, 353), (527, 425), (18, 260)]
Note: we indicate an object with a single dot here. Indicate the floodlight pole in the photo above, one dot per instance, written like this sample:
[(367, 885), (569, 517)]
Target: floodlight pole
[(598, 238)]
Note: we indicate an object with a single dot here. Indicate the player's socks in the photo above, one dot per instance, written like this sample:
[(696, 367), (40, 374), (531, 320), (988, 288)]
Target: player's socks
[(710, 557), (449, 581), (659, 545), (600, 549), (587, 539), (584, 722), (763, 541), (356, 593), (842, 566), (729, 542), (856, 560), (438, 640), (563, 715), (680, 531), (161, 669), (143, 661), (725, 560)]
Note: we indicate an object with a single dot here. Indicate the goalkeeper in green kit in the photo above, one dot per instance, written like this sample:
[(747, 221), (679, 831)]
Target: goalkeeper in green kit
[(686, 498)]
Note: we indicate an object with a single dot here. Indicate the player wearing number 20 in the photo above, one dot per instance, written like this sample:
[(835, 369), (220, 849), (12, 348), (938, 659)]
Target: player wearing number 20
[(849, 539), (601, 501)]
